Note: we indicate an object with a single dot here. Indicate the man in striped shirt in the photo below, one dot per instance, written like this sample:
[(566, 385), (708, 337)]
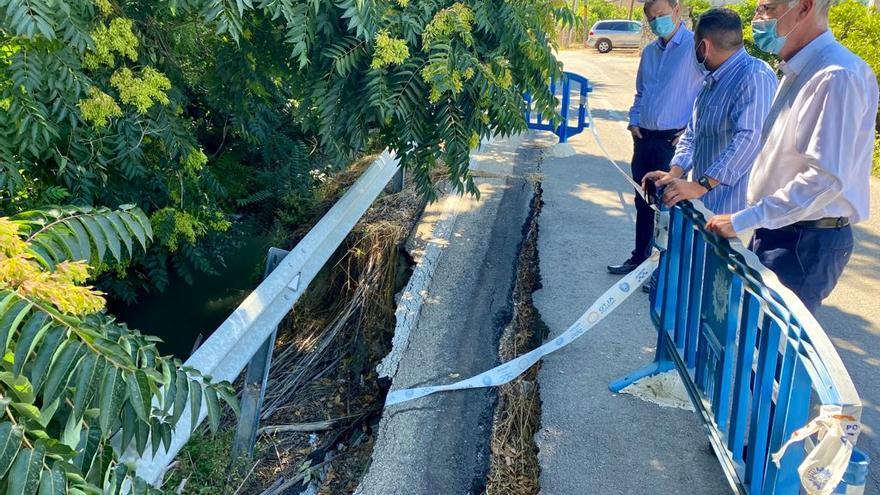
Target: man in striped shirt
[(667, 83), (723, 136)]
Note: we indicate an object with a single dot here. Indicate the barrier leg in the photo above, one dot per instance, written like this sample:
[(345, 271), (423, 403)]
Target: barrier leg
[(662, 363)]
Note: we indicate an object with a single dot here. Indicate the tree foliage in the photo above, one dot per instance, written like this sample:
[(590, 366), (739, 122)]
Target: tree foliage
[(72, 378), (185, 107)]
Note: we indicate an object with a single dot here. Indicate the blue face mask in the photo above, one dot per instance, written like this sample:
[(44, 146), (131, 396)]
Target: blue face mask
[(766, 36), (663, 26)]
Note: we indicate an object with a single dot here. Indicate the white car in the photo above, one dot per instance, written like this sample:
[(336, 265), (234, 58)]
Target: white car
[(615, 33)]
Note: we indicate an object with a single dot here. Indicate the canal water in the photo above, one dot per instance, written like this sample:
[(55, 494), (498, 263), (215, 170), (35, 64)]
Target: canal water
[(184, 312)]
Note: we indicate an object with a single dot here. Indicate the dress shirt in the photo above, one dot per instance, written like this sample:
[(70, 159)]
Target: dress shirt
[(724, 135), (818, 141), (667, 83)]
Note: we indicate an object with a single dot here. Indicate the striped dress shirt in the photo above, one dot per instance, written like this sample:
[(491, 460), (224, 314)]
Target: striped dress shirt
[(723, 136), (667, 82)]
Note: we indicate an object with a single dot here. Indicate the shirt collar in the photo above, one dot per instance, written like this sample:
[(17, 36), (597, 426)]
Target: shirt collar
[(800, 59), (676, 38), (733, 61)]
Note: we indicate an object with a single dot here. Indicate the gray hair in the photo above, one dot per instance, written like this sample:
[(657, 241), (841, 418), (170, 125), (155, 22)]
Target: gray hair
[(672, 3)]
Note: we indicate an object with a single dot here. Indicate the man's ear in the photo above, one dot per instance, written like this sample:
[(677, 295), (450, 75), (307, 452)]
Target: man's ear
[(805, 8)]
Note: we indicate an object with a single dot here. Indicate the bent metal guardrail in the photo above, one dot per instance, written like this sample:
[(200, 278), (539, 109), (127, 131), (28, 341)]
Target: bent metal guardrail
[(755, 362), (246, 331), (569, 125)]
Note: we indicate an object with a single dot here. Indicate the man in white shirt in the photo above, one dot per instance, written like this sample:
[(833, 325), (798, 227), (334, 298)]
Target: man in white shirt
[(811, 179), (667, 84)]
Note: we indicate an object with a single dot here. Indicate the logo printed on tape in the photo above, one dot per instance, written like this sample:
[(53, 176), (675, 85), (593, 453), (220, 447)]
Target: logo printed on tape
[(624, 287), (818, 476)]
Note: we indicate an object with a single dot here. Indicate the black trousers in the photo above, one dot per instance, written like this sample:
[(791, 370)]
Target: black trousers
[(808, 261), (653, 152)]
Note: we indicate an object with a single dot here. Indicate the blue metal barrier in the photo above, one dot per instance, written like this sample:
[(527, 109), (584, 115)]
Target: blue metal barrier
[(571, 84), (755, 362)]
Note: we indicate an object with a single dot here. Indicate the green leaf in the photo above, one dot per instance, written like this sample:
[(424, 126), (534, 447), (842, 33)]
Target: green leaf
[(61, 370), (89, 444), (139, 394), (141, 217), (195, 403), (155, 434), (141, 435), (81, 236), (10, 442), (129, 425), (230, 398), (53, 482), (31, 333), (182, 385), (90, 371), (213, 408), (51, 345), (167, 431), (112, 398), (110, 235), (24, 475), (96, 234), (20, 386), (10, 321), (134, 227), (121, 230), (29, 411)]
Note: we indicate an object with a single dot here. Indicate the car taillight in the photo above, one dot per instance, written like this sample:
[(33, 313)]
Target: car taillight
[(591, 33)]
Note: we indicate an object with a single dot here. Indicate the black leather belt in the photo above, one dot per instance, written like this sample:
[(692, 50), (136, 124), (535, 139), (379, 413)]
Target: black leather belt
[(822, 223), (667, 134)]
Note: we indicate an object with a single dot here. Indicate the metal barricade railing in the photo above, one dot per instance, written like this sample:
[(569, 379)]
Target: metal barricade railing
[(573, 117), (754, 360), (247, 335)]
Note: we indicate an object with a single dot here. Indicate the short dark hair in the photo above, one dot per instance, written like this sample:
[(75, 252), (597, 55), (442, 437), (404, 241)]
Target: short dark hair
[(722, 26)]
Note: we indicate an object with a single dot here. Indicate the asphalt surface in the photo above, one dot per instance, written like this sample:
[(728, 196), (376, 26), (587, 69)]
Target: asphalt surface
[(592, 441), (851, 317), (440, 444)]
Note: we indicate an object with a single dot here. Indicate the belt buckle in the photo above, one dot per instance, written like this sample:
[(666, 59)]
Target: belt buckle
[(840, 223)]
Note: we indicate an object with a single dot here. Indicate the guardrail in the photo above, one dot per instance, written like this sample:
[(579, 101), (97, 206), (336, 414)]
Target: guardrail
[(571, 84), (248, 333), (755, 362)]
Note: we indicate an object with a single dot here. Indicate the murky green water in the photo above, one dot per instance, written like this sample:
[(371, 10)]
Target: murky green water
[(183, 312)]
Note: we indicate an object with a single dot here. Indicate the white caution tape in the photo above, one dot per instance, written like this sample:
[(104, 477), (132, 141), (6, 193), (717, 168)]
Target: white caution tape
[(506, 372), (595, 132), (824, 466)]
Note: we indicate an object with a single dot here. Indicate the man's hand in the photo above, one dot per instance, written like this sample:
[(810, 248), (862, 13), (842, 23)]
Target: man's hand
[(661, 178), (634, 130), (721, 225), (679, 190)]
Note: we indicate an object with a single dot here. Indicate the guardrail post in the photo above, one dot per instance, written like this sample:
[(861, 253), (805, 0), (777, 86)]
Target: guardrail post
[(256, 377), (397, 181)]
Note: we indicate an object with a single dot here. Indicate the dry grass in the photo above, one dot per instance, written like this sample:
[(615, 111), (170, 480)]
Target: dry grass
[(324, 365), (514, 468)]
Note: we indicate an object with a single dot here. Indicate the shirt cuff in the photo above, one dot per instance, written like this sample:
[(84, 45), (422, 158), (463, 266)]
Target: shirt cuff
[(683, 160), (722, 174), (746, 220)]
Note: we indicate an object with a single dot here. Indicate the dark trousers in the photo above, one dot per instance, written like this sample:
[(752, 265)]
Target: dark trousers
[(653, 152), (807, 260)]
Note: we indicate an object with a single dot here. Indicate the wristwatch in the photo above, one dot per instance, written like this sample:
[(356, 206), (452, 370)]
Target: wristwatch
[(704, 181)]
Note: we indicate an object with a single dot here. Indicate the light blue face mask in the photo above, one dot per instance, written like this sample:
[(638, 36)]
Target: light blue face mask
[(767, 39), (663, 26)]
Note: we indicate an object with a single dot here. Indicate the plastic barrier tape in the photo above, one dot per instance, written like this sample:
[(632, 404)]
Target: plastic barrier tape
[(608, 302)]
